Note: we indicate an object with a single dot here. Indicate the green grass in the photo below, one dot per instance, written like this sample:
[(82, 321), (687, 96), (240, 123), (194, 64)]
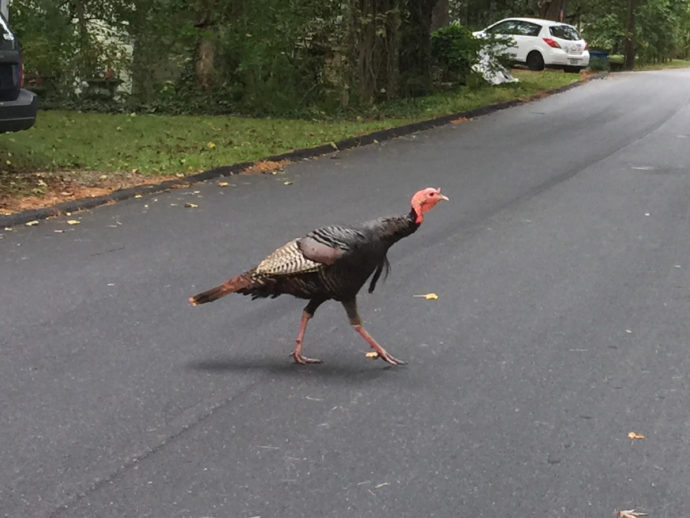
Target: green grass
[(617, 61), (160, 144), (674, 63)]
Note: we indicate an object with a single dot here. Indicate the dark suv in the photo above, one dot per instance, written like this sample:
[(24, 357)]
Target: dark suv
[(17, 106)]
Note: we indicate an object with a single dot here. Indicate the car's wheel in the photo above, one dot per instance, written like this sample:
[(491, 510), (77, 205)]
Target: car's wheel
[(572, 70), (535, 61)]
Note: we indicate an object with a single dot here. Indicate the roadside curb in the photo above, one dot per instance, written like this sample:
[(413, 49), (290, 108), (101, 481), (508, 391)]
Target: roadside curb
[(60, 209)]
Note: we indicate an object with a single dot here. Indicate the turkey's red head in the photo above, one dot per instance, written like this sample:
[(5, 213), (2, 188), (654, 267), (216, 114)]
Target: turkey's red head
[(425, 200)]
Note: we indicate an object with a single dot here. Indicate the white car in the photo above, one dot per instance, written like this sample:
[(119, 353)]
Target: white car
[(540, 43)]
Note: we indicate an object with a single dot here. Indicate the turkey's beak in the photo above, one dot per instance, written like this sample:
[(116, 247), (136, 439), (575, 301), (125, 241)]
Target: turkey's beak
[(443, 198)]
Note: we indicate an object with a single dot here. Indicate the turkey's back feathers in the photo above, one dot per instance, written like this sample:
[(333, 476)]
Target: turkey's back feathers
[(286, 260)]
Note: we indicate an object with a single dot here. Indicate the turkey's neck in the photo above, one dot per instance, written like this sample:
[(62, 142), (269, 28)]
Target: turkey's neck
[(393, 229)]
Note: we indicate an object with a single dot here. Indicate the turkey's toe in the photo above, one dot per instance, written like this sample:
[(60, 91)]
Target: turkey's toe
[(392, 359), (304, 360)]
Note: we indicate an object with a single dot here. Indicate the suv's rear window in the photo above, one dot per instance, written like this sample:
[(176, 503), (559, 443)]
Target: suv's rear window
[(564, 32)]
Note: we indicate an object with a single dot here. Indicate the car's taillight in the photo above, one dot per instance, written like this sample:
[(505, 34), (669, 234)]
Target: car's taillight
[(586, 46), (552, 43)]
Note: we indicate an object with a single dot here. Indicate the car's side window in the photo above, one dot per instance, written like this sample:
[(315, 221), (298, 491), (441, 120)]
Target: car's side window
[(507, 27), (564, 32), (527, 29)]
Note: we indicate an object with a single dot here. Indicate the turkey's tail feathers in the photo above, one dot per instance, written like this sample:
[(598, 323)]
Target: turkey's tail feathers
[(230, 286)]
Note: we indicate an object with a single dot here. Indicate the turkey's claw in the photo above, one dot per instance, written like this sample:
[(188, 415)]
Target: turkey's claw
[(391, 359), (303, 360), (378, 351)]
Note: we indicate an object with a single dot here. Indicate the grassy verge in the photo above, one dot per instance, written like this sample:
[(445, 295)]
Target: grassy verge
[(674, 63), (78, 143), (161, 144)]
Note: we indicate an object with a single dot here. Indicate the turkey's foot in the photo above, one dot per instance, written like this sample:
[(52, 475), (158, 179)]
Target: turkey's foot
[(303, 360), (297, 351), (390, 358), (379, 352)]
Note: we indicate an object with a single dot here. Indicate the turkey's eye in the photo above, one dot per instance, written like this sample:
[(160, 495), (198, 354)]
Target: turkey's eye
[(431, 194)]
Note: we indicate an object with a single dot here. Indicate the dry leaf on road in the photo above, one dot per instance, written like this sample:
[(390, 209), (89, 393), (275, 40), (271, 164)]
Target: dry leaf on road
[(630, 513), (427, 296), (635, 436)]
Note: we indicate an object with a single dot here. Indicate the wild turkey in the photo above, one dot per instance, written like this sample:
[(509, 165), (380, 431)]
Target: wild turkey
[(330, 262)]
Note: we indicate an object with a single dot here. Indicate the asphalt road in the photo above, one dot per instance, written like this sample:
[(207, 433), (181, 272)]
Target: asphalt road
[(562, 266)]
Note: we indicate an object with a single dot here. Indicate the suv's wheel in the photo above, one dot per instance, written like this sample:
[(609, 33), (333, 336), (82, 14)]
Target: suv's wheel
[(535, 61)]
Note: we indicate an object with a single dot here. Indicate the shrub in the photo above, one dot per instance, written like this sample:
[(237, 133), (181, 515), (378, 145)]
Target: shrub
[(454, 50)]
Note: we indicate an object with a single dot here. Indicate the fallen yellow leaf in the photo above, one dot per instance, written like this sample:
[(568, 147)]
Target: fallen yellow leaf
[(372, 354), (32, 223), (635, 436), (73, 222), (191, 205), (630, 513), (428, 296), (287, 182), (211, 145), (223, 184)]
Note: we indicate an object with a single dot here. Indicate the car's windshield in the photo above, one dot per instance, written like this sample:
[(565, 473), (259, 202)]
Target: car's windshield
[(564, 32)]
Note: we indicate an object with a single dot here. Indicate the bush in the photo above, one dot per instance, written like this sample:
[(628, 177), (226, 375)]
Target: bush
[(454, 50)]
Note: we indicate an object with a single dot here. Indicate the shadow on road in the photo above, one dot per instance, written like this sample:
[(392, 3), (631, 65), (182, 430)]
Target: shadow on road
[(336, 368)]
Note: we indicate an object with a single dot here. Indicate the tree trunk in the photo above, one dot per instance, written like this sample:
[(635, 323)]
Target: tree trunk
[(206, 48), (374, 36), (440, 16), (552, 9), (205, 63), (415, 49), (629, 45)]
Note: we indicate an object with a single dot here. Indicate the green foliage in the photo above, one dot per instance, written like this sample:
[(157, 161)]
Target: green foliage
[(65, 43), (454, 49), (277, 56), (290, 57), (604, 32), (658, 30), (477, 14), (47, 47)]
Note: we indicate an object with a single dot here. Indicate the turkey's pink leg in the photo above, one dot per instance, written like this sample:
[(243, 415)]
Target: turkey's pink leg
[(350, 306), (383, 354), (297, 352)]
